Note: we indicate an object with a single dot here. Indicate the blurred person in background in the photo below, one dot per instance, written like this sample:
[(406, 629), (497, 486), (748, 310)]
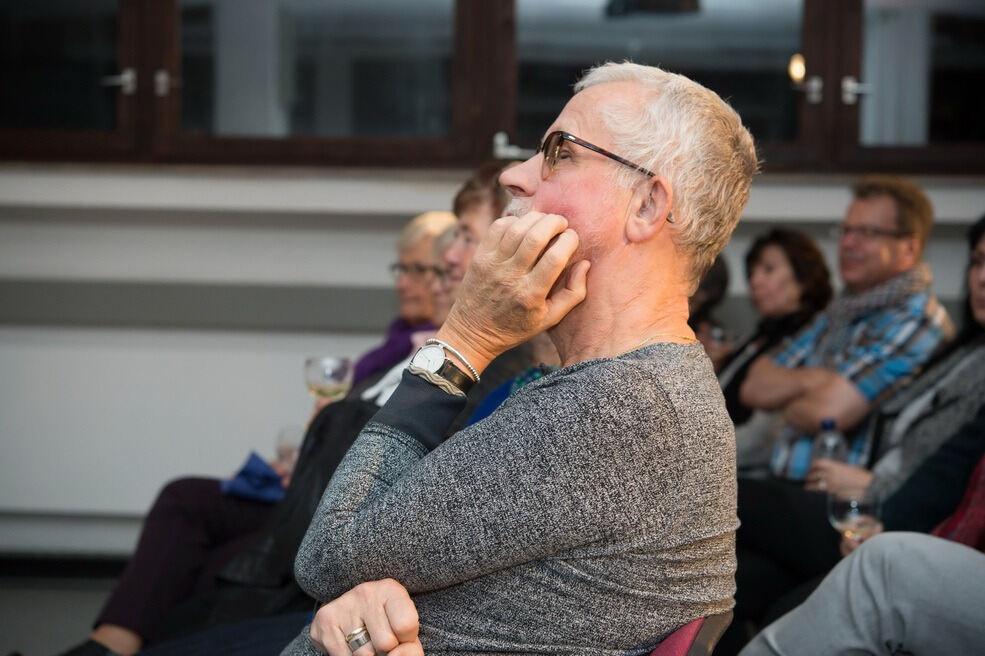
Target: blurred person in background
[(701, 310), (789, 284), (927, 440), (258, 582), (412, 274), (869, 341), (193, 528)]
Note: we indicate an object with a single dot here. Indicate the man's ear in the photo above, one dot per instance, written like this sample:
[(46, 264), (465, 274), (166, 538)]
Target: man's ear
[(650, 208), (911, 246)]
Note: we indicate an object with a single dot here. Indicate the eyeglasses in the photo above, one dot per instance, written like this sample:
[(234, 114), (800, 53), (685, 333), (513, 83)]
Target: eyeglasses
[(416, 271), (551, 148), (865, 232)]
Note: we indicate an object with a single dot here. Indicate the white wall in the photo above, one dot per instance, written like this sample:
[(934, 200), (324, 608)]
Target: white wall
[(94, 419)]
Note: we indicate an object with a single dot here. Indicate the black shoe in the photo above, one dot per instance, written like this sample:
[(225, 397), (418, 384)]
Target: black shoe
[(89, 648)]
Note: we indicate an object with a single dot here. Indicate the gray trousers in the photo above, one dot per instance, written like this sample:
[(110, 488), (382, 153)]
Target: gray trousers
[(899, 593)]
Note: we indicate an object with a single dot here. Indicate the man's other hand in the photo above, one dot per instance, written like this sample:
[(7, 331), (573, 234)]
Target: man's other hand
[(383, 607)]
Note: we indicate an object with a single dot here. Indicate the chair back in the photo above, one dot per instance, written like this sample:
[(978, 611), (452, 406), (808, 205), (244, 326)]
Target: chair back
[(696, 638)]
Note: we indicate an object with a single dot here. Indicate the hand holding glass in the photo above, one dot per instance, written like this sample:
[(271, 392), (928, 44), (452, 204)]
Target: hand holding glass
[(328, 377)]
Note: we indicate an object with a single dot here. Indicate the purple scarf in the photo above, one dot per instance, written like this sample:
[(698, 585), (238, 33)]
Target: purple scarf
[(394, 348)]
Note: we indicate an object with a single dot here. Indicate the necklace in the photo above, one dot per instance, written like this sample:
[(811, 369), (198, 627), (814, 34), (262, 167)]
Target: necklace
[(686, 340)]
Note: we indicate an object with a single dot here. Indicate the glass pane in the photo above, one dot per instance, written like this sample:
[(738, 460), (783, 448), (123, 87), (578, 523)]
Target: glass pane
[(277, 68), (738, 48), (924, 61), (53, 55)]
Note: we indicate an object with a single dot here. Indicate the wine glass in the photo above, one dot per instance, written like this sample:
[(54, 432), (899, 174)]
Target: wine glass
[(328, 377), (853, 514), (287, 445)]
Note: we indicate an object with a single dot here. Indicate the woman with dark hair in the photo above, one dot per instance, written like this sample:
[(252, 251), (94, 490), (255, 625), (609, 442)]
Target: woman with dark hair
[(788, 284)]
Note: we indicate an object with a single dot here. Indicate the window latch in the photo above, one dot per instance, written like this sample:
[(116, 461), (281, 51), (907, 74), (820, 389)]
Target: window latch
[(851, 89), (126, 80), (503, 149)]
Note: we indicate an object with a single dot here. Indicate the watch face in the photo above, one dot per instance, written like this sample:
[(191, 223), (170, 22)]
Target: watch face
[(430, 358)]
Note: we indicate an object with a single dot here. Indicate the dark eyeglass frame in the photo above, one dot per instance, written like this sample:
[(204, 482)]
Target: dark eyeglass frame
[(866, 232), (552, 151), (398, 269)]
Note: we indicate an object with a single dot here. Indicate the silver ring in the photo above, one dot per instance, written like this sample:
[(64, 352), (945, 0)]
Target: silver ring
[(357, 638)]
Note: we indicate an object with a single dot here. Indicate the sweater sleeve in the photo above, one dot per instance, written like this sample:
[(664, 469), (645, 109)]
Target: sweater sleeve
[(935, 488), (540, 475)]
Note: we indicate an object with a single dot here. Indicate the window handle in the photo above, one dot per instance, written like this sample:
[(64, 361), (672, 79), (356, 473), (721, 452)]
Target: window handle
[(163, 83), (851, 89), (126, 80), (813, 88), (503, 149)]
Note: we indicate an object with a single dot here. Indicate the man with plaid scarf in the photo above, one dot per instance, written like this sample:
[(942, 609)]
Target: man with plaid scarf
[(868, 342)]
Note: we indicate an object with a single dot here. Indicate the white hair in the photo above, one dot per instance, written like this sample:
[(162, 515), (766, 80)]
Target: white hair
[(424, 226), (689, 135)]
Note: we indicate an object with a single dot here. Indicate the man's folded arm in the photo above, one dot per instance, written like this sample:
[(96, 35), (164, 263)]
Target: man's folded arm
[(836, 398), (771, 386), (486, 500)]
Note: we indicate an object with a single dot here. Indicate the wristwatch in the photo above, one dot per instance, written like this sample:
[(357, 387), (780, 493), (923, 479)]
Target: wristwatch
[(432, 358)]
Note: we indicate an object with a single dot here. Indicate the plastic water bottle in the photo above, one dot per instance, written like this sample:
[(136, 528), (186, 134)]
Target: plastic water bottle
[(829, 443)]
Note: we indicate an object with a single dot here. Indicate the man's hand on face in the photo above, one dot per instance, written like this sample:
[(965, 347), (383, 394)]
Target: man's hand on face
[(508, 294)]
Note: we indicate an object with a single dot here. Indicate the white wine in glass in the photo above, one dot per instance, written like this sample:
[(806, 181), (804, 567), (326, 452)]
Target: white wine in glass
[(852, 514), (328, 377)]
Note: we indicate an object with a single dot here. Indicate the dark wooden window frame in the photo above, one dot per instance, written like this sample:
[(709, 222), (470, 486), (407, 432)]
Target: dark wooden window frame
[(120, 143), (480, 103), (850, 155), (483, 98)]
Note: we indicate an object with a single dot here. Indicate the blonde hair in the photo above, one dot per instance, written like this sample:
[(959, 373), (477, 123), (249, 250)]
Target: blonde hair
[(691, 136), (424, 226)]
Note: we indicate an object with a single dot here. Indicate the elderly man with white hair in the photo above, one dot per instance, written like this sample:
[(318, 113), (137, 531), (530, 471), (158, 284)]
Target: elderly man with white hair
[(594, 512)]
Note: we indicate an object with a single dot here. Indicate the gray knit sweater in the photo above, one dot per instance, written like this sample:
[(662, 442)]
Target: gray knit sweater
[(593, 513)]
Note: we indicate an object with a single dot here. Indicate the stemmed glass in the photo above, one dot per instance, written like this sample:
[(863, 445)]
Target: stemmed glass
[(853, 514), (328, 377), (287, 446)]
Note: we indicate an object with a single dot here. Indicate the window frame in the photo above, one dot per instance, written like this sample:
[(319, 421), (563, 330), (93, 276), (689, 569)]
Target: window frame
[(480, 37), (484, 89), (120, 142)]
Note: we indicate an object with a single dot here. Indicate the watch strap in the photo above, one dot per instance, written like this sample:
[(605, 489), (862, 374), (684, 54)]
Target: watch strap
[(450, 372), (441, 383)]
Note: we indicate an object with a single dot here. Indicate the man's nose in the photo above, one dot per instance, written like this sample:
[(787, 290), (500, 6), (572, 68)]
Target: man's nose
[(452, 254), (522, 179)]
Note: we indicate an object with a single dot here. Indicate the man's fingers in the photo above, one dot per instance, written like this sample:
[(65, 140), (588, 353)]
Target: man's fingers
[(408, 649), (511, 231), (328, 636), (380, 632), (402, 617), (538, 238), (553, 261), (564, 299)]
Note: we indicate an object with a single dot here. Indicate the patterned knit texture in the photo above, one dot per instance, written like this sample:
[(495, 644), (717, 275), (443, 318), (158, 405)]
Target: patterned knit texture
[(593, 513)]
